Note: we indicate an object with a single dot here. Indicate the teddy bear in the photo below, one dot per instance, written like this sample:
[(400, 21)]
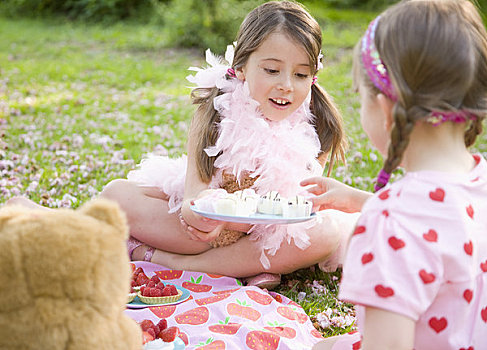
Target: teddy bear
[(64, 279)]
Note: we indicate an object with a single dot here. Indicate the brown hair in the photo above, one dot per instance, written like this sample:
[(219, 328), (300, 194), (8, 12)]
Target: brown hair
[(293, 20), (435, 52)]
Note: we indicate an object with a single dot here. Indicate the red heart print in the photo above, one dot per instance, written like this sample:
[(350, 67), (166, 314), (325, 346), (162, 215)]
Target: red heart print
[(385, 213), (396, 243), (470, 211), (438, 324), (483, 313), (359, 230), (357, 345), (468, 295), (468, 247), (438, 195), (384, 292), (367, 257), (469, 348), (431, 236), (384, 195), (483, 266), (426, 276)]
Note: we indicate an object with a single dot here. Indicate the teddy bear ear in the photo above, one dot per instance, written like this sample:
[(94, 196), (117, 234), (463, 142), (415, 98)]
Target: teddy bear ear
[(107, 211)]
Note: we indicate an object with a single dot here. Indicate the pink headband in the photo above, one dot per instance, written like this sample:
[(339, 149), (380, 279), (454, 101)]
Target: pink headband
[(377, 72), (375, 68)]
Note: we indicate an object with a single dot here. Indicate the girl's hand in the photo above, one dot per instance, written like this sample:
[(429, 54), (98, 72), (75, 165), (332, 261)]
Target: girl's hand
[(332, 194), (198, 235)]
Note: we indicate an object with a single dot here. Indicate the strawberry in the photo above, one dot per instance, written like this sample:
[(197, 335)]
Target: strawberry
[(173, 289), (291, 314), (155, 292), (169, 274), (160, 285), (146, 337), (194, 286), (169, 334), (146, 292), (184, 337), (150, 284), (214, 275), (280, 330), (260, 298), (213, 299), (194, 316), (225, 327), (167, 291), (138, 270), (155, 279), (146, 324), (211, 344), (163, 311), (262, 340), (141, 279), (277, 297), (226, 291), (162, 324), (243, 310), (152, 333)]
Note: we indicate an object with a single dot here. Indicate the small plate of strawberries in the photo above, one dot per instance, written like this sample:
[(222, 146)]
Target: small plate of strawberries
[(154, 292)]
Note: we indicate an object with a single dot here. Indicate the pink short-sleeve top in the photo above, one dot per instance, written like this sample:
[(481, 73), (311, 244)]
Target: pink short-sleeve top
[(420, 249)]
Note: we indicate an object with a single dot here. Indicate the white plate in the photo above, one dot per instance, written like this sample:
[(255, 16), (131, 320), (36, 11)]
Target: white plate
[(256, 218)]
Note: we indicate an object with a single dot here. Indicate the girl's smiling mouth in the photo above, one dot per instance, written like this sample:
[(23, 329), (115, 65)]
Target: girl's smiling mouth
[(280, 102)]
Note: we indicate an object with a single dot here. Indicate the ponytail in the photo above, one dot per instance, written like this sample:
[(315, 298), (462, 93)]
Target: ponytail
[(328, 125), (204, 129)]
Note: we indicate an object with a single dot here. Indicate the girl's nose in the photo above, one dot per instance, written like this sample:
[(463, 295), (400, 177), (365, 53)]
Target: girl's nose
[(285, 83)]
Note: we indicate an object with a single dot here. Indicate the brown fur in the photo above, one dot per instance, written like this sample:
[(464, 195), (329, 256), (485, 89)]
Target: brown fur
[(230, 184), (64, 278)]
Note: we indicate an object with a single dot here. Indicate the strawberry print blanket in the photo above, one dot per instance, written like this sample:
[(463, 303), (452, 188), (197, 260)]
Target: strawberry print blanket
[(220, 313)]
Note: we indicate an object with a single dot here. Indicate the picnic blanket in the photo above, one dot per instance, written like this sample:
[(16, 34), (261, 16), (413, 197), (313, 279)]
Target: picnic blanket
[(222, 314)]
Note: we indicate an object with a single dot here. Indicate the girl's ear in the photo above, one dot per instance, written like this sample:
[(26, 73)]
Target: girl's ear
[(386, 105), (239, 72)]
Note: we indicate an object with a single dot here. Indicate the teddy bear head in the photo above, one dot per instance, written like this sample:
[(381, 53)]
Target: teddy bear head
[(64, 278)]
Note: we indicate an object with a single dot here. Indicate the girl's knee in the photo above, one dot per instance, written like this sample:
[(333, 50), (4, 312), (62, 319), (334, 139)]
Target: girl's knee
[(115, 188)]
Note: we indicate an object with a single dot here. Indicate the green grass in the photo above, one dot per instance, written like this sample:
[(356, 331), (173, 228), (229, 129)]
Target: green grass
[(80, 104)]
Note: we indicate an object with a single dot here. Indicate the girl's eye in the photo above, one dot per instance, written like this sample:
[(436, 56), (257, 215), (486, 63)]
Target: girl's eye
[(302, 76), (271, 71)]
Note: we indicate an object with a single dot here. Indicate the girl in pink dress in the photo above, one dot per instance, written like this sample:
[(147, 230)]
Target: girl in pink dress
[(416, 265), (262, 122)]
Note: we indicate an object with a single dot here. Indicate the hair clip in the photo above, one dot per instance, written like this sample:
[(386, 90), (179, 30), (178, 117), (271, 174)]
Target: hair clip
[(231, 73), (382, 179), (315, 79)]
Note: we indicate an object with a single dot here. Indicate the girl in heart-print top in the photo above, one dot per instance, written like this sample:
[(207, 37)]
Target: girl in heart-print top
[(416, 265)]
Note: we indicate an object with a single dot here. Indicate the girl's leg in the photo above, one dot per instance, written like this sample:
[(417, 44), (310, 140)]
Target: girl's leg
[(147, 214), (241, 259), (25, 202)]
